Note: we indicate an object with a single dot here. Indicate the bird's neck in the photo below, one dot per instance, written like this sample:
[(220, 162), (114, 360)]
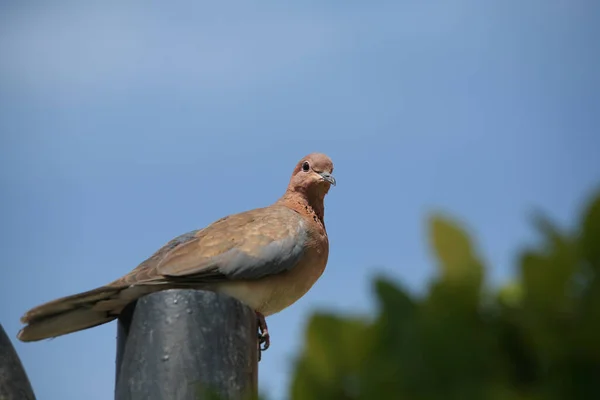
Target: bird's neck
[(307, 205)]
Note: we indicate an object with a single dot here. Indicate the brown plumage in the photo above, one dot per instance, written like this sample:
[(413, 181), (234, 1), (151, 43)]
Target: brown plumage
[(267, 258)]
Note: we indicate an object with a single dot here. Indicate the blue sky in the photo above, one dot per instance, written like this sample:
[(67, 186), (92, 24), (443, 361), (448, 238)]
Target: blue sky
[(124, 125)]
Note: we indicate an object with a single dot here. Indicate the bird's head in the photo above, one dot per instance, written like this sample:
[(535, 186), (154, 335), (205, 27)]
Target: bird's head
[(313, 175)]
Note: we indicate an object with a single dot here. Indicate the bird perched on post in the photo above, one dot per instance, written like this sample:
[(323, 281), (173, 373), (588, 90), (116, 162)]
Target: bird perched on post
[(267, 258)]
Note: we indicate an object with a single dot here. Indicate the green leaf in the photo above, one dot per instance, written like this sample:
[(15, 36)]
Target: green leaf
[(511, 294), (454, 250), (392, 299), (394, 359), (590, 233), (335, 348), (549, 271), (535, 338)]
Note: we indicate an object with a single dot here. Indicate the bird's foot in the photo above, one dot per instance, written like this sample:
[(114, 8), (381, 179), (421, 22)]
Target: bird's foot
[(263, 336)]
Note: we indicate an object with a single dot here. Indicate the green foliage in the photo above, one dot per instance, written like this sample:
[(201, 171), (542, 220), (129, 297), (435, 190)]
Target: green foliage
[(537, 337)]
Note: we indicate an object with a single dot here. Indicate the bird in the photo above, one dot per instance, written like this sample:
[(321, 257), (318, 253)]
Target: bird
[(267, 258)]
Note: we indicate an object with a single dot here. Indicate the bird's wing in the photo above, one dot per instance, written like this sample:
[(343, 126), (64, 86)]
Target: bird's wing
[(248, 245)]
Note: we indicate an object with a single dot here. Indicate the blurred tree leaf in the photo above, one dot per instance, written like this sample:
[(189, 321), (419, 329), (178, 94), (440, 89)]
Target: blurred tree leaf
[(454, 250), (394, 303), (392, 365), (534, 338), (590, 234), (550, 291), (334, 351), (511, 294)]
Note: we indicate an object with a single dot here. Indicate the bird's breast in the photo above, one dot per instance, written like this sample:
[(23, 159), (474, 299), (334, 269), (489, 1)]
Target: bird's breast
[(272, 294)]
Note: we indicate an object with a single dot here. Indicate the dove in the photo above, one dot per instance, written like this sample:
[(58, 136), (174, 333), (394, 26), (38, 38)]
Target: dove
[(267, 258)]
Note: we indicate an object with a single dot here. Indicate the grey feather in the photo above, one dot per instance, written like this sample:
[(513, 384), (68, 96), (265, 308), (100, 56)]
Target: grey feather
[(274, 258)]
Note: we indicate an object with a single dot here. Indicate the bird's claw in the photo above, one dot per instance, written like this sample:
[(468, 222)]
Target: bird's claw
[(264, 338)]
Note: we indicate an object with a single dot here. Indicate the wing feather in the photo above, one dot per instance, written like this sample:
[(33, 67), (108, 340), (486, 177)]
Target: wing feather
[(249, 245)]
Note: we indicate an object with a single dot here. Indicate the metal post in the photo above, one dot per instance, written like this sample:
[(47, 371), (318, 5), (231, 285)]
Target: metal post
[(14, 384), (184, 344)]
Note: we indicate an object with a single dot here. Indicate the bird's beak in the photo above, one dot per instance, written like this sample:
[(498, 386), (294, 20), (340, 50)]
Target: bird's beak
[(327, 177)]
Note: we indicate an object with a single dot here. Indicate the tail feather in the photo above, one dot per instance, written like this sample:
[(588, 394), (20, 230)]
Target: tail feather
[(77, 312)]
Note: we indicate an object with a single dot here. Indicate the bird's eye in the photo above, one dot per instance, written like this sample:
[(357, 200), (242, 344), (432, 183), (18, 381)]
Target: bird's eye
[(305, 166)]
